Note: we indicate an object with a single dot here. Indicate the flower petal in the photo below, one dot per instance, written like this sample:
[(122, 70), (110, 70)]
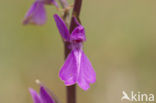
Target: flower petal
[(35, 96), (76, 21), (62, 27), (78, 34), (45, 96), (68, 72), (51, 93), (87, 74), (36, 14)]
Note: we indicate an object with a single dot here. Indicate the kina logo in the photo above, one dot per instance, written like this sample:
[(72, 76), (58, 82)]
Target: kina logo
[(138, 96)]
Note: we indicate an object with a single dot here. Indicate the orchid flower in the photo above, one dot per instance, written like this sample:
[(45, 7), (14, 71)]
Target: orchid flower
[(37, 13), (42, 97), (77, 67)]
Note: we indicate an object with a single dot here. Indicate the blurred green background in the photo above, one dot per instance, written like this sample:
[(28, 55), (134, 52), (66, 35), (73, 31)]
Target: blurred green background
[(121, 44)]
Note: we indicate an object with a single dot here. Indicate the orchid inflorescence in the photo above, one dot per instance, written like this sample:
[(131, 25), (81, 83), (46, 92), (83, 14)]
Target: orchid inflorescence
[(77, 68)]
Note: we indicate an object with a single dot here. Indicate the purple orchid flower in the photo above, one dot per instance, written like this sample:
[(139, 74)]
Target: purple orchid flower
[(37, 13), (77, 67), (42, 97)]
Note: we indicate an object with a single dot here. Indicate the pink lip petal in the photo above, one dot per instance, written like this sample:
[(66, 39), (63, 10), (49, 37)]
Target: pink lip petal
[(68, 72)]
